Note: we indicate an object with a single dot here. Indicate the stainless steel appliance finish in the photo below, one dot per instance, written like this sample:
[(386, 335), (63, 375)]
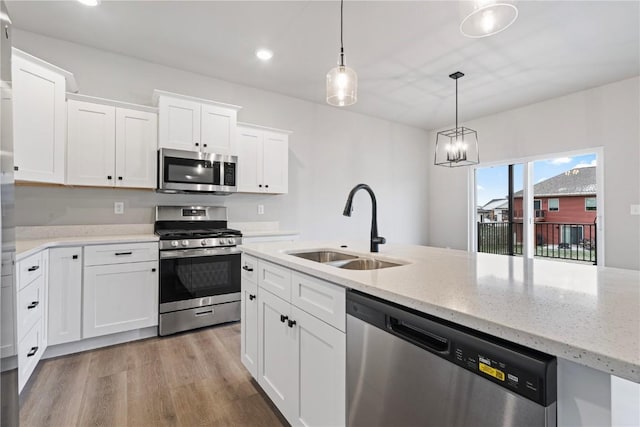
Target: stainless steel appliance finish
[(199, 268), (183, 320), (408, 369), (9, 409), (192, 171)]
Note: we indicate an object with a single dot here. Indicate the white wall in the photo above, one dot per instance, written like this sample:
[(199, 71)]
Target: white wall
[(330, 151), (607, 116)]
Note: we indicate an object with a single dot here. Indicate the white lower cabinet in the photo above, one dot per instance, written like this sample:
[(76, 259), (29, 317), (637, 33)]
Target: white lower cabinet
[(300, 357), (65, 295), (119, 297), (249, 326)]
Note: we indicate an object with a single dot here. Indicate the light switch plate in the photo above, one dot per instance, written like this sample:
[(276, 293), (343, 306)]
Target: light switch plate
[(635, 209), (118, 208), (260, 209)]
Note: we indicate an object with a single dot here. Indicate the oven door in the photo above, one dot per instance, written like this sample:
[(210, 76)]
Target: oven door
[(193, 171), (198, 277)]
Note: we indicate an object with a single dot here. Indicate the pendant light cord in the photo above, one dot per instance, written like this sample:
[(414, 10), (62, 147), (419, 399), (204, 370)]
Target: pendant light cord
[(456, 108), (341, 29)]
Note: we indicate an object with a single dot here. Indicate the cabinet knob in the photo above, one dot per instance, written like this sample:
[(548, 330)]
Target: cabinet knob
[(153, 270), (197, 145), (260, 185), (251, 297), (283, 318), (119, 178), (74, 257), (109, 177), (291, 323), (266, 186), (204, 145), (16, 168)]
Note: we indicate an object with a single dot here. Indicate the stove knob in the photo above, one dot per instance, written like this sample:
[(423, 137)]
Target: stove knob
[(185, 243), (204, 242), (174, 243), (230, 241)]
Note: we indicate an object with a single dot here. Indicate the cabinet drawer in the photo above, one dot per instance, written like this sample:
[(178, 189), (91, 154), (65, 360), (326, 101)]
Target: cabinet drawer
[(321, 299), (30, 305), (30, 351), (29, 269), (120, 253), (275, 279), (249, 268)]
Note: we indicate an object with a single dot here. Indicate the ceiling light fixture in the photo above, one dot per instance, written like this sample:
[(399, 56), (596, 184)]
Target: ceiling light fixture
[(458, 146), (487, 18), (89, 2), (342, 81), (264, 54)]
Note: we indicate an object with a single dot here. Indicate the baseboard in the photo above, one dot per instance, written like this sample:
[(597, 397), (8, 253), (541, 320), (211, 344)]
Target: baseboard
[(98, 342)]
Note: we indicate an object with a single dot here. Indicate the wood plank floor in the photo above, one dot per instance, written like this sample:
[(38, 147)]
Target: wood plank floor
[(191, 379)]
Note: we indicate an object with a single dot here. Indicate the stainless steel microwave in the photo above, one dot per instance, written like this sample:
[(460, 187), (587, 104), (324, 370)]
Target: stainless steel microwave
[(191, 171)]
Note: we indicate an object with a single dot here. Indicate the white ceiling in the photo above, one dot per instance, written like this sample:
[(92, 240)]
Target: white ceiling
[(403, 52)]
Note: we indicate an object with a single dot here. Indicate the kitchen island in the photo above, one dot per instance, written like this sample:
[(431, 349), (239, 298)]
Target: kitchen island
[(584, 314)]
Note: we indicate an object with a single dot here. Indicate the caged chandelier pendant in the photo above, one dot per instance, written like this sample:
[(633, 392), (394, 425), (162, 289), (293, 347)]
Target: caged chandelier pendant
[(342, 81), (458, 146)]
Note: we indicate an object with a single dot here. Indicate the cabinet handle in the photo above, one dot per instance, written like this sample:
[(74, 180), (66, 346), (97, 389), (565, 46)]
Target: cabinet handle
[(33, 268), (283, 318), (124, 253), (291, 323), (32, 352), (251, 297), (34, 304), (119, 178), (247, 268), (74, 257), (109, 177)]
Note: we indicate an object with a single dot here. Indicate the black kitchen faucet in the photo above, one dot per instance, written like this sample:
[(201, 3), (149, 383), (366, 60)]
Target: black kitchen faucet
[(375, 239)]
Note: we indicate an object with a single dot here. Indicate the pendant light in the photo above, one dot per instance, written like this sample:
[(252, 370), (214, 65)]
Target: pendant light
[(342, 81), (488, 17), (458, 146)]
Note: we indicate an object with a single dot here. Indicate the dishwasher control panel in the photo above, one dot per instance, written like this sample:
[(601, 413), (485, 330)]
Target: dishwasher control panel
[(499, 370)]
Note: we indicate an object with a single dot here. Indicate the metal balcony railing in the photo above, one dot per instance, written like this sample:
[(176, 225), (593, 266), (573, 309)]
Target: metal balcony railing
[(564, 241)]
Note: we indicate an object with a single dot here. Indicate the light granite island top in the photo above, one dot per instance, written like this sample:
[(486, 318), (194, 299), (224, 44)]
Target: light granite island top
[(587, 314)]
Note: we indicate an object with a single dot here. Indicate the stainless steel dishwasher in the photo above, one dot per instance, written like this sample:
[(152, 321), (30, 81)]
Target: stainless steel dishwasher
[(405, 368)]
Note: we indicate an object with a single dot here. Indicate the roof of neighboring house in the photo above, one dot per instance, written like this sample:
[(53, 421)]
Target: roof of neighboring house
[(495, 204), (574, 182)]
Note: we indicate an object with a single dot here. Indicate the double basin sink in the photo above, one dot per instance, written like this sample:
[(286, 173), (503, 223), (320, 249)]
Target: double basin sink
[(344, 260)]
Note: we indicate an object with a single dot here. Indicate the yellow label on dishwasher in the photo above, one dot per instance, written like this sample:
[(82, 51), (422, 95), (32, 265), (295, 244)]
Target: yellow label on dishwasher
[(492, 371)]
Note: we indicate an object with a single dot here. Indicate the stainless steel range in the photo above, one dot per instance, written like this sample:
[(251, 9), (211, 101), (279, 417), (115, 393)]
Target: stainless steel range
[(199, 268)]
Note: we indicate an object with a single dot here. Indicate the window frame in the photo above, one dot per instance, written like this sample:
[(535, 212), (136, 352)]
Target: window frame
[(595, 207), (557, 209)]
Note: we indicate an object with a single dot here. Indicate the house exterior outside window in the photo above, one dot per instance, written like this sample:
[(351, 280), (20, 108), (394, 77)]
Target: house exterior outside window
[(554, 205), (590, 204)]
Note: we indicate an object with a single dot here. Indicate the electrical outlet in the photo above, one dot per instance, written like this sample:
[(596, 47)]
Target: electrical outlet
[(635, 209), (260, 209), (118, 208)]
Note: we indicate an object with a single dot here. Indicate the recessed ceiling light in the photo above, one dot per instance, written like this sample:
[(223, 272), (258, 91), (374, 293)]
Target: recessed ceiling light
[(89, 2), (264, 54)]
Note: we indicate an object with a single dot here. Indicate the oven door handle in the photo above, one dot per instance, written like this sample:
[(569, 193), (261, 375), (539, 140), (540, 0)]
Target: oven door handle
[(192, 253)]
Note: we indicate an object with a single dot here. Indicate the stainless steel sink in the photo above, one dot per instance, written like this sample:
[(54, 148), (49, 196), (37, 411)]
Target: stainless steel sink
[(324, 256), (343, 260), (366, 264)]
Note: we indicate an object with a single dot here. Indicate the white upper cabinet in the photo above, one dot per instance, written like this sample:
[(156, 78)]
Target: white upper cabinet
[(110, 145), (136, 139), (91, 144), (263, 160), (194, 124), (39, 120)]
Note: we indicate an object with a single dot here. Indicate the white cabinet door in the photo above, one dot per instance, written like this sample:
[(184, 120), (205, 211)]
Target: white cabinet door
[(276, 162), (8, 322), (218, 125), (249, 160), (179, 124), (249, 326), (39, 122), (119, 297), (136, 147), (276, 348), (91, 145), (320, 366), (65, 295)]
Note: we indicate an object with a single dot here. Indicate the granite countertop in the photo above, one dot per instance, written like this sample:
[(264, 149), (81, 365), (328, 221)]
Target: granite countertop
[(587, 314), (24, 248)]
